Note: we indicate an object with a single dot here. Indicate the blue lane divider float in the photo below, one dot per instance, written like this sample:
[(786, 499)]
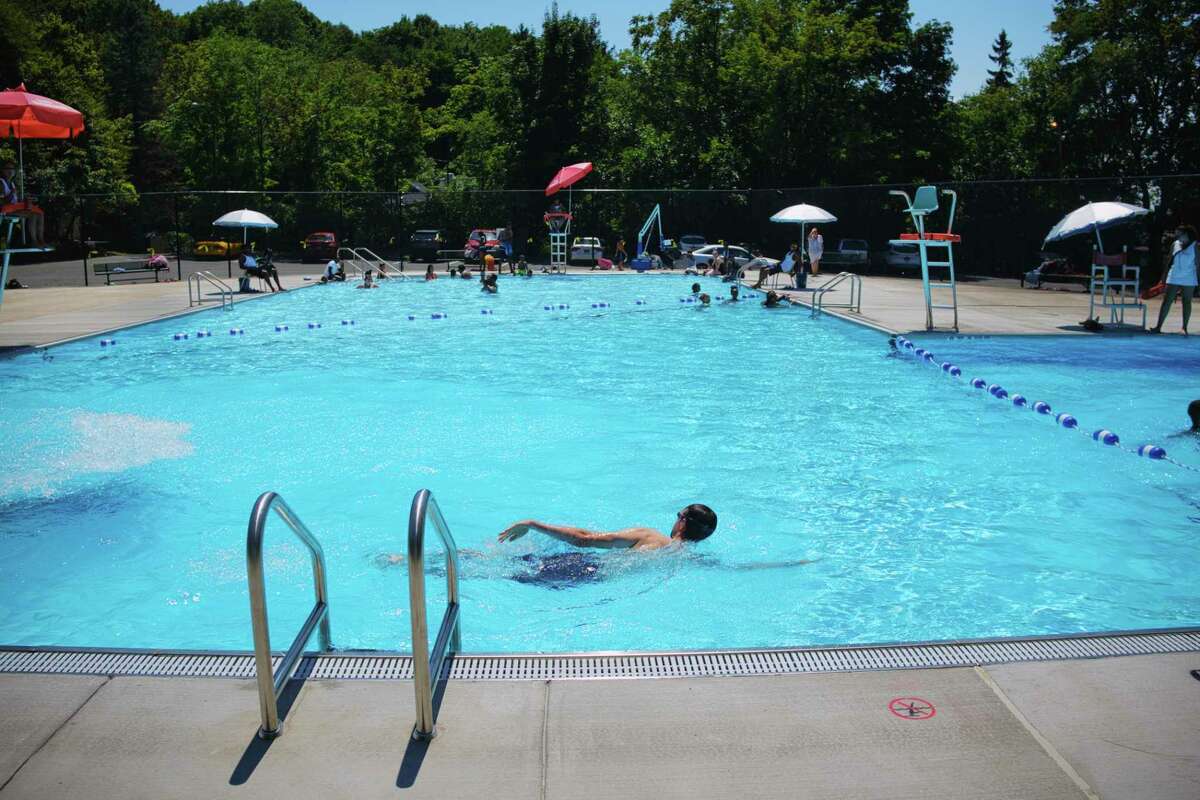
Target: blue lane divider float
[(237, 331), (280, 328), (600, 305), (203, 334), (347, 322), (108, 342), (487, 312), (179, 337), (439, 315), (312, 326), (1064, 420), (639, 302)]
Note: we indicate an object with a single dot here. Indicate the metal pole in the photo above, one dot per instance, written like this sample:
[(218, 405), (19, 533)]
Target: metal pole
[(83, 236), (178, 245)]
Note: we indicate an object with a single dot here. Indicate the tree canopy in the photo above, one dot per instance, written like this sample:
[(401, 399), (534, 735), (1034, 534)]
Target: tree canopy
[(711, 94)]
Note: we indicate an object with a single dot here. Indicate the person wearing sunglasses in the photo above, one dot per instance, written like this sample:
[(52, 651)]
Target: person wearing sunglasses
[(692, 524)]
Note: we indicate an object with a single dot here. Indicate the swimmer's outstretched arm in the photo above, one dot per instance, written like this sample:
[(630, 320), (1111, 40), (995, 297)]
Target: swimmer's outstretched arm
[(579, 537)]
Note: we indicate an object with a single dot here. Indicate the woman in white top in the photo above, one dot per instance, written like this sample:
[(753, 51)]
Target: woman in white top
[(816, 249), (1181, 279)]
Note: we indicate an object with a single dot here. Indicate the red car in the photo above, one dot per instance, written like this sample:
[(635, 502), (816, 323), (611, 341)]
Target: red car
[(320, 246), (480, 242)]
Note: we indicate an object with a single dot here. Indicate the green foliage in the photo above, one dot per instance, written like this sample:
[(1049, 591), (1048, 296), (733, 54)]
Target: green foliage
[(711, 94), (1001, 56)]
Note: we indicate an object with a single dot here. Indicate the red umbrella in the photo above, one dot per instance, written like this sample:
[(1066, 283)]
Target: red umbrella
[(30, 116), (568, 176)]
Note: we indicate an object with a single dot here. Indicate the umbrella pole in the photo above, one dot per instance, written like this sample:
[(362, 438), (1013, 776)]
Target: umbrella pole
[(1099, 242), (21, 158)]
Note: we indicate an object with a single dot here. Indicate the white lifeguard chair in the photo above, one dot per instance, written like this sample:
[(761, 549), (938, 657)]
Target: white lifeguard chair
[(924, 203), (559, 223)]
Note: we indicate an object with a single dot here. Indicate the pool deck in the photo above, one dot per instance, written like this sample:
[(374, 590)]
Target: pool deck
[(1122, 727), (990, 306), (41, 316)]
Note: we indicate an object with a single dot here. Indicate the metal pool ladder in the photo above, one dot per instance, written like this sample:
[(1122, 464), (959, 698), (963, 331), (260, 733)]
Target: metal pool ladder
[(224, 288), (427, 668), (271, 682), (855, 302)]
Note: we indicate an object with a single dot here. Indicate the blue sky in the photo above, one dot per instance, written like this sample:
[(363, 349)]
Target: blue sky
[(976, 22)]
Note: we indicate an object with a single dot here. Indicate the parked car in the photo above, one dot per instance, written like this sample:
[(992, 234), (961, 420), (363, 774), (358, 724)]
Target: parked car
[(902, 256), (320, 246), (425, 244), (691, 241), (586, 250), (847, 253), (481, 242), (702, 257), (212, 248)]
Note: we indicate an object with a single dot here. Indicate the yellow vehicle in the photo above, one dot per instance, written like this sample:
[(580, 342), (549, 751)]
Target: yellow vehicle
[(211, 249)]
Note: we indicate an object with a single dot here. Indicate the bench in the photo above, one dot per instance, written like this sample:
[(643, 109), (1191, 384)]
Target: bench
[(129, 270)]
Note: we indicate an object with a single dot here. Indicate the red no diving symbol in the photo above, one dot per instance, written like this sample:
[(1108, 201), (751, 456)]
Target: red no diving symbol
[(911, 708)]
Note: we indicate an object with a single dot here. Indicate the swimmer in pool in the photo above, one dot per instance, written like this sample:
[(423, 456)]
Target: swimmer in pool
[(733, 295), (1194, 415), (692, 524), (774, 299)]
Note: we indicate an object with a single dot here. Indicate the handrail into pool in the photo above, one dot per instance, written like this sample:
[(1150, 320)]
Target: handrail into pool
[(270, 685), (378, 260), (818, 303), (224, 288), (354, 261), (428, 668)]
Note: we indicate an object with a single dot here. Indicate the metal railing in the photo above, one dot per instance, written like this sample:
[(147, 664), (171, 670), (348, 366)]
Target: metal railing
[(354, 263), (381, 264), (225, 289), (271, 682), (427, 668), (853, 304)]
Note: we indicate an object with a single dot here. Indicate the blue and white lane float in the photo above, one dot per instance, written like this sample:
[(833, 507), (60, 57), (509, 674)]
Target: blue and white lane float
[(1064, 420)]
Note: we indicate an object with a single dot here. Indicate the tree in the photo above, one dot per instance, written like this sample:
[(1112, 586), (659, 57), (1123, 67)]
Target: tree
[(1001, 56)]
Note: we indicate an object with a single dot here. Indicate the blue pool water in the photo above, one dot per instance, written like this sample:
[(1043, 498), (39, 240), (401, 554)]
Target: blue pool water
[(927, 510)]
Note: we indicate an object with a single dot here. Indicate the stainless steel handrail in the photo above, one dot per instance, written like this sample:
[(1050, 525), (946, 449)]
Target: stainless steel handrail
[(271, 682), (225, 289), (353, 260), (428, 668), (855, 303), (392, 271)]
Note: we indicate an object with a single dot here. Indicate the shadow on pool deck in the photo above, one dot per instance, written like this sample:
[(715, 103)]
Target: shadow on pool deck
[(1114, 727)]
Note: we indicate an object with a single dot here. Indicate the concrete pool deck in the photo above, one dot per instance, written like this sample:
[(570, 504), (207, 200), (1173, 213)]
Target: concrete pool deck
[(1122, 727), (989, 306)]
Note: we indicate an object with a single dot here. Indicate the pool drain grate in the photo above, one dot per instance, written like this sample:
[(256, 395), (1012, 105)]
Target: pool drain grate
[(591, 666)]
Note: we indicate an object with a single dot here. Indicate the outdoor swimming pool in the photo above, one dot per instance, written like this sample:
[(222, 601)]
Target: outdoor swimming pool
[(928, 510)]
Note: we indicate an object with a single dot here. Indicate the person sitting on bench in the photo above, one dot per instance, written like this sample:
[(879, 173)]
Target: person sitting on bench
[(32, 217), (264, 270)]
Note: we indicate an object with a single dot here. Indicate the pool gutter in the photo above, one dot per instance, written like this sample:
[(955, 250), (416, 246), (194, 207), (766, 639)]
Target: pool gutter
[(608, 665)]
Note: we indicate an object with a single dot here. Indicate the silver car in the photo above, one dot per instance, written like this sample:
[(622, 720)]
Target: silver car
[(902, 256), (703, 256)]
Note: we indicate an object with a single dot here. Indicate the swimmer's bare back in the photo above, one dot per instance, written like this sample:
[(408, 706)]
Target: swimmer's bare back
[(631, 538)]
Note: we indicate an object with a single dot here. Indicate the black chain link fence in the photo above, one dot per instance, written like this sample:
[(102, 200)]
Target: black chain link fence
[(1002, 223)]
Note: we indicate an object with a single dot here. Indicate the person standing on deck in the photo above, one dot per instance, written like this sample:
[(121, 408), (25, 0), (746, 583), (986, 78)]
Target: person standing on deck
[(1181, 278)]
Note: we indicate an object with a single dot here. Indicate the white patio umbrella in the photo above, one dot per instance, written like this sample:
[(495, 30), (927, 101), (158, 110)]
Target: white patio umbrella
[(804, 214), (1093, 216), (245, 219)]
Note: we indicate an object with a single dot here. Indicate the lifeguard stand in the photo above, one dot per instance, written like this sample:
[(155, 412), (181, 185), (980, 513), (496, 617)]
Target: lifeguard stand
[(559, 223), (924, 203)]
